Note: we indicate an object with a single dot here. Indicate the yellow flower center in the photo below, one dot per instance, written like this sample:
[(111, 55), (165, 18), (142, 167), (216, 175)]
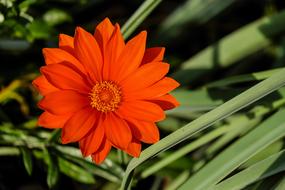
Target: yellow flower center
[(105, 96)]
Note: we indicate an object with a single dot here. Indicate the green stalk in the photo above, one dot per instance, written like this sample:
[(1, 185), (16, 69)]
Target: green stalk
[(138, 17)]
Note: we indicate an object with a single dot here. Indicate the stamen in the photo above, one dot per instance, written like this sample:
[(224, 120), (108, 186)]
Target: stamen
[(105, 96)]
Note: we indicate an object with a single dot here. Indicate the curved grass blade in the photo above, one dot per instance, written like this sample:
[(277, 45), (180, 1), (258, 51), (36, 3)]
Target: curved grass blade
[(183, 151), (258, 139), (263, 169), (137, 18), (249, 96)]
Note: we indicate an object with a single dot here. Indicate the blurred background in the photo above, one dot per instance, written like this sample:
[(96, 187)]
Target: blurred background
[(205, 40)]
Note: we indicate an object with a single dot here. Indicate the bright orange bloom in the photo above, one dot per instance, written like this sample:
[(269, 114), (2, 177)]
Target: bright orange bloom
[(103, 92)]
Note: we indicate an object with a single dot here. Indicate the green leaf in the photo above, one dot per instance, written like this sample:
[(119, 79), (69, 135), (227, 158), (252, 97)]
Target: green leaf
[(75, 172), (255, 37), (9, 151), (183, 151), (253, 94), (53, 171), (237, 125), (192, 11), (38, 30), (263, 169), (270, 150), (108, 169), (268, 132), (24, 5), (180, 179), (56, 16), (257, 76), (27, 159), (138, 17)]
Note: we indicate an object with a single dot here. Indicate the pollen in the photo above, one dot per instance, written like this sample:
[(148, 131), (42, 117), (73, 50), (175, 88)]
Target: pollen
[(105, 96)]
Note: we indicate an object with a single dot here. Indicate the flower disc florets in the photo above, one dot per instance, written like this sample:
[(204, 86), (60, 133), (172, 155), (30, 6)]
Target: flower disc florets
[(105, 96)]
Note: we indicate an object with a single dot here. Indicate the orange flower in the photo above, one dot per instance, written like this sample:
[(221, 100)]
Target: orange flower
[(103, 92)]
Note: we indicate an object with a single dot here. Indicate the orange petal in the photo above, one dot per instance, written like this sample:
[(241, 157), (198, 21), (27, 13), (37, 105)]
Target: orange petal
[(88, 53), (78, 125), (154, 54), (63, 102), (63, 76), (134, 148), (117, 131), (66, 43), (92, 141), (146, 132), (166, 102), (113, 50), (57, 55), (145, 76), (99, 156), (103, 33), (131, 56), (141, 110), (51, 121), (158, 89), (43, 86)]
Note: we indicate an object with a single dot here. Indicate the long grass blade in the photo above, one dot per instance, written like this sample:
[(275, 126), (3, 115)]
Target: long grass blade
[(183, 151), (258, 139), (254, 37), (263, 169), (251, 95), (138, 17)]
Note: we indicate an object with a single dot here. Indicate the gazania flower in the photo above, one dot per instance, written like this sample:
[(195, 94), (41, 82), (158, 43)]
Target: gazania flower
[(104, 93)]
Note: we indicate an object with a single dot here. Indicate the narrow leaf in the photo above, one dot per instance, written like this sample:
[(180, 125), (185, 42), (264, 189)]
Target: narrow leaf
[(246, 147), (138, 17), (75, 172), (53, 171), (27, 159), (263, 169), (255, 37), (253, 94)]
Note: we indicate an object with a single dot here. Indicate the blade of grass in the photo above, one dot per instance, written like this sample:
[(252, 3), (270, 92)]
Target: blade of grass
[(245, 123), (258, 139), (138, 17), (263, 169), (234, 126), (192, 11), (251, 95), (183, 151), (178, 180), (257, 76), (254, 37)]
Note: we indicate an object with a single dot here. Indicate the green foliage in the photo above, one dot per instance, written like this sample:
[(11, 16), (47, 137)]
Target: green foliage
[(228, 132)]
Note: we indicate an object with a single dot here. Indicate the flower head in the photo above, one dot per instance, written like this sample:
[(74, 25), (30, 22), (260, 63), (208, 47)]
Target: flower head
[(104, 93)]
